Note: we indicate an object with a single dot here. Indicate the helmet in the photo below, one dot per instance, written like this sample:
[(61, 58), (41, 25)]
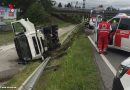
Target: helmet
[(114, 21)]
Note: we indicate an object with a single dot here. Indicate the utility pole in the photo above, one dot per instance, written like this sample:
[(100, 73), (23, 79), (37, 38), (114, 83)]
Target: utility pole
[(84, 3), (76, 5)]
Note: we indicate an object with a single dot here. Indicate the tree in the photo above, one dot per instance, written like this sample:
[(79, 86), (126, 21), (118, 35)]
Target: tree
[(60, 5), (47, 4), (37, 14), (111, 8), (69, 5), (101, 6)]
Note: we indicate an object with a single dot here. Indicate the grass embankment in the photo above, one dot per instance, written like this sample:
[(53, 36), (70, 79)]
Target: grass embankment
[(60, 23), (77, 72), (56, 21), (6, 38)]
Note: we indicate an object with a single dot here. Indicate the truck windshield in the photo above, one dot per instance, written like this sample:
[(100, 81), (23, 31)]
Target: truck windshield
[(124, 24), (18, 28)]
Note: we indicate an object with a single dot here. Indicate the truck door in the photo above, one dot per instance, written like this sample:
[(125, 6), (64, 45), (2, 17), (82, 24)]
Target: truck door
[(122, 39)]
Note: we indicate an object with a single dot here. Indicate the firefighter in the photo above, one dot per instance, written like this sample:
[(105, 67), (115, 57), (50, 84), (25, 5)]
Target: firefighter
[(103, 32)]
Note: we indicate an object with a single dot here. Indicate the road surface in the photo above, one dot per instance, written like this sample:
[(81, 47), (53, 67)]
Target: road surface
[(8, 57), (115, 57)]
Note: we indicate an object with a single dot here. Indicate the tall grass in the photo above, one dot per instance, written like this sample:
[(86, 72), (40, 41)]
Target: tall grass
[(77, 72)]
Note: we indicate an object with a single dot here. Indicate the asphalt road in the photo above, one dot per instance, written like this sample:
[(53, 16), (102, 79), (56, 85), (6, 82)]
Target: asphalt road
[(9, 58), (115, 57)]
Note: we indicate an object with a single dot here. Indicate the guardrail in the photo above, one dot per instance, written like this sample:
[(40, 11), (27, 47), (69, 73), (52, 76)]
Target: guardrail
[(32, 79)]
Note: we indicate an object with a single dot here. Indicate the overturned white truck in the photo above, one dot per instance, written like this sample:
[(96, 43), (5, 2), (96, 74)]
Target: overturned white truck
[(33, 44)]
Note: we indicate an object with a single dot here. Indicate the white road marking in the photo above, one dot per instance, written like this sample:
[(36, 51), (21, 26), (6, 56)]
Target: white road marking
[(104, 58)]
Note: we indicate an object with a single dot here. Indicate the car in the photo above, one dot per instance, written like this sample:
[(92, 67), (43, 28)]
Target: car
[(122, 78), (92, 22), (119, 36)]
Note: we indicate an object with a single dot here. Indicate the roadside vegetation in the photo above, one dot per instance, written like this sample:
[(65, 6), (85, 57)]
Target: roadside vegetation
[(6, 38), (77, 69)]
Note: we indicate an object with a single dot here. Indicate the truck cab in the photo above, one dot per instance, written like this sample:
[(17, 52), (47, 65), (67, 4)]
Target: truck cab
[(29, 42)]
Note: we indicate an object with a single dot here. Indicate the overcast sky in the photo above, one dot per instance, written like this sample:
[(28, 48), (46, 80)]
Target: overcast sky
[(93, 3)]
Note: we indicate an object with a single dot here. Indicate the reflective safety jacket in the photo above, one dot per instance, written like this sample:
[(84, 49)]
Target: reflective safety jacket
[(104, 28)]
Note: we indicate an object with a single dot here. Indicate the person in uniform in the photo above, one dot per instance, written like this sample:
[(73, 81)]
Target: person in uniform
[(104, 29)]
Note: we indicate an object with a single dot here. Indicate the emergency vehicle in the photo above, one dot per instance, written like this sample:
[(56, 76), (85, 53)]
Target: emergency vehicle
[(122, 78), (119, 36)]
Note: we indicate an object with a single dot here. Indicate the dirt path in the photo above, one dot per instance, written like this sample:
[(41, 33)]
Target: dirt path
[(64, 30), (8, 57)]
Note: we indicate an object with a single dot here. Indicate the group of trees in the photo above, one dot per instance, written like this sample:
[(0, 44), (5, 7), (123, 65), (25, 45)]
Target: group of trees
[(69, 5), (111, 8)]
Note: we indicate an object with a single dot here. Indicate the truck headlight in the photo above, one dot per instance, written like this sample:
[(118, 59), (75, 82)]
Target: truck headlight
[(121, 71)]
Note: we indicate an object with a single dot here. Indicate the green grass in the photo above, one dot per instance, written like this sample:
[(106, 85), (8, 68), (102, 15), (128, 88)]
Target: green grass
[(6, 38), (21, 76), (59, 22), (63, 24), (77, 72), (56, 21)]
